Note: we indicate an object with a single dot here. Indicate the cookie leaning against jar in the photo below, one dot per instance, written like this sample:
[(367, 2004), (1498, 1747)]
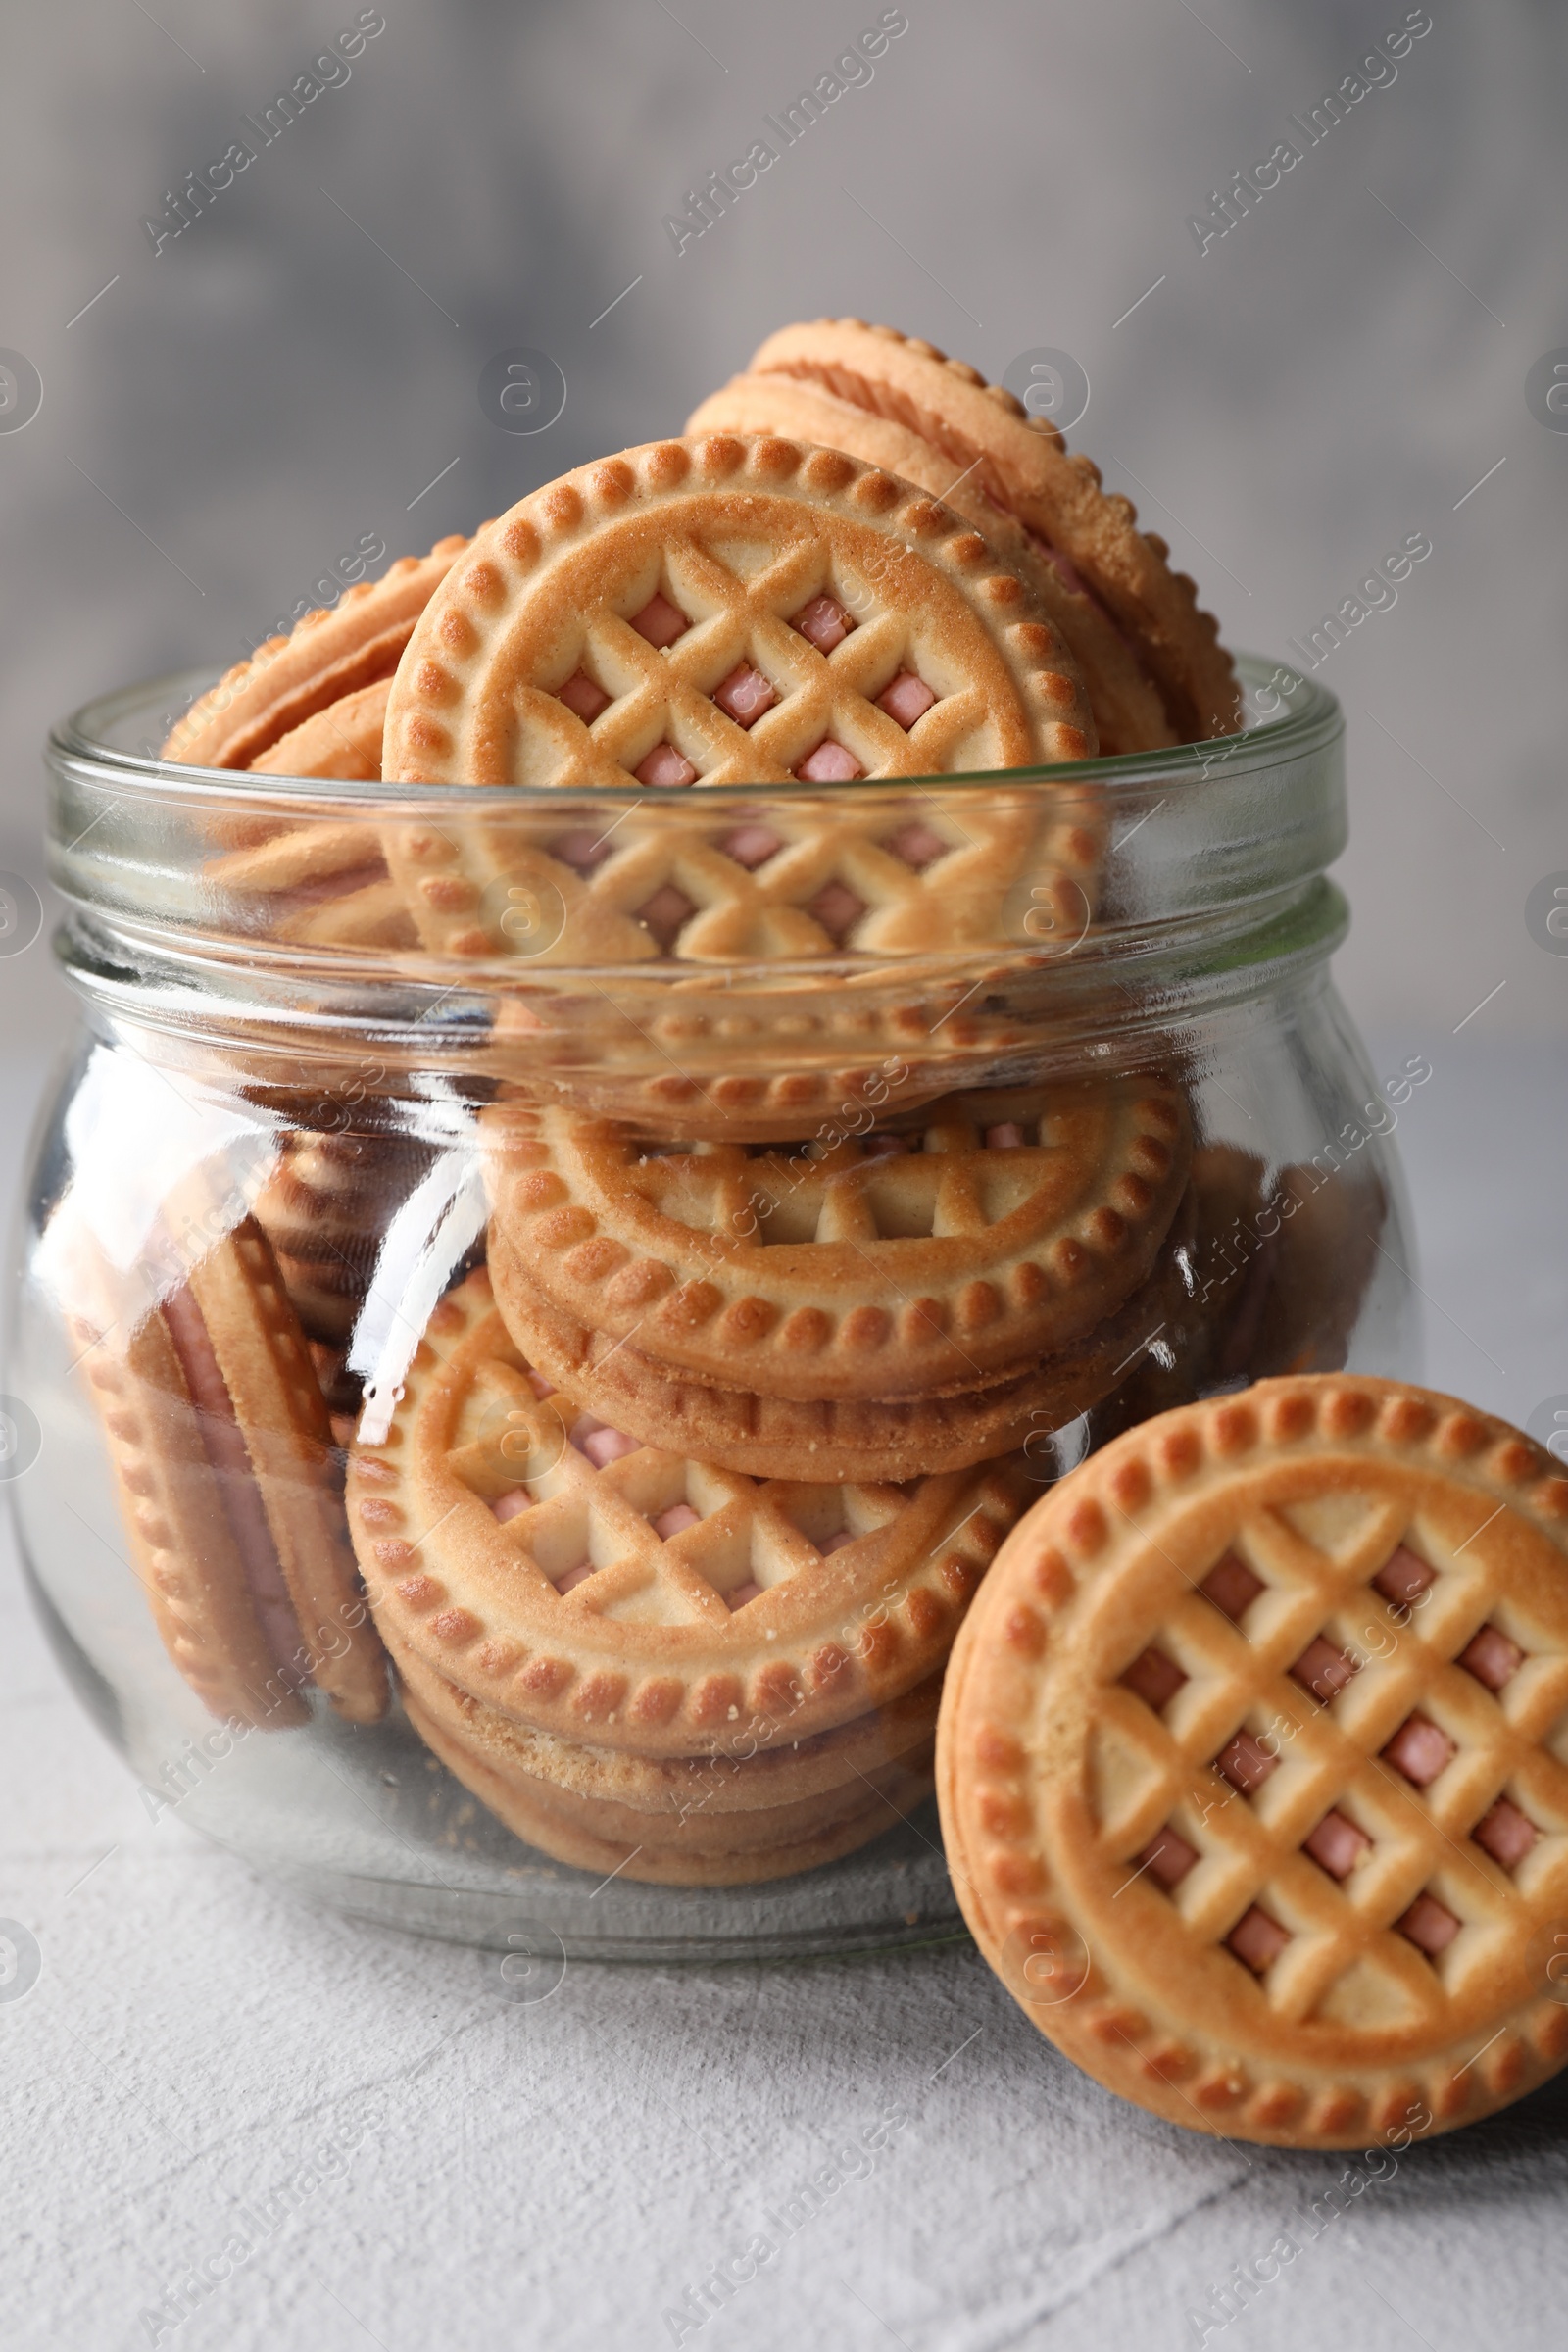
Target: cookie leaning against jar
[(729, 611), (1150, 658), (1250, 1763)]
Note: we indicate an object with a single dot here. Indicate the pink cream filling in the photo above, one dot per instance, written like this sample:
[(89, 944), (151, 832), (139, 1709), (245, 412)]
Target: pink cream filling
[(1072, 580), (1419, 1748), (837, 909), (1155, 1678), (1403, 1577), (906, 700), (745, 695), (1337, 1844), (1245, 1763), (660, 621), (223, 1444), (830, 764), (582, 850), (599, 1441), (582, 696), (1232, 1587), (664, 765), (1506, 1834), (1492, 1657), (1323, 1670), (666, 913), (1258, 1940), (752, 846), (1430, 1925), (1167, 1858), (676, 1521), (919, 844), (823, 623)]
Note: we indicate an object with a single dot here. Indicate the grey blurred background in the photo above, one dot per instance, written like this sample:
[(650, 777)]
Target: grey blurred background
[(1331, 376)]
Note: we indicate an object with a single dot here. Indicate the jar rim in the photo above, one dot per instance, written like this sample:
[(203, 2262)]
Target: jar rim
[(1311, 721)]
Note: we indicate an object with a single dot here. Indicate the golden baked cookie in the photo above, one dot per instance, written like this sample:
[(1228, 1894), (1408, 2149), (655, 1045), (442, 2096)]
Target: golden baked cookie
[(689, 1789), (652, 1861), (343, 742), (1251, 1763), (329, 653), (1019, 464), (223, 1450), (803, 877), (1129, 714), (639, 1600), (957, 1254), (323, 885), (775, 1818), (729, 611), (856, 1439)]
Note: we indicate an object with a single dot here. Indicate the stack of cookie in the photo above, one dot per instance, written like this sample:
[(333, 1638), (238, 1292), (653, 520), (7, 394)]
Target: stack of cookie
[(641, 1661), (682, 1499)]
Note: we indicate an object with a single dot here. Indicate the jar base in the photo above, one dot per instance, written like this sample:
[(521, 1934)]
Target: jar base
[(892, 1895)]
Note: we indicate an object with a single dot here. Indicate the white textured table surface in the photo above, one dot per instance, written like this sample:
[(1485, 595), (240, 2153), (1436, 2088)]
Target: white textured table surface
[(564, 2174)]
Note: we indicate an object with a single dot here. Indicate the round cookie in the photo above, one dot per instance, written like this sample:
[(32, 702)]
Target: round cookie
[(223, 1450), (1020, 463), (343, 742), (327, 655), (729, 611), (690, 1788), (640, 1599), (1250, 1763), (859, 1438), (691, 1825), (1129, 715), (994, 1231), (652, 1863)]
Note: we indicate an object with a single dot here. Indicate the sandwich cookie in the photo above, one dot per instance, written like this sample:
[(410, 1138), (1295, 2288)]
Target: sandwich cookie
[(678, 1790), (990, 1233), (610, 1592), (222, 1451), (1251, 1763), (325, 883), (1019, 464), (328, 655), (691, 1825), (728, 613), (653, 1861), (1129, 713)]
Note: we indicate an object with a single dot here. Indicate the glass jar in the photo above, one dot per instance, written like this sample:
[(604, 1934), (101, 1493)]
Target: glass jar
[(849, 1161)]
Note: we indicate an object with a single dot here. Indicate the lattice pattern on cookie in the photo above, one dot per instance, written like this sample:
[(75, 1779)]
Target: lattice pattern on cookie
[(1019, 464), (1311, 1851), (779, 881), (1328, 1765), (654, 578), (589, 1586), (1001, 1227)]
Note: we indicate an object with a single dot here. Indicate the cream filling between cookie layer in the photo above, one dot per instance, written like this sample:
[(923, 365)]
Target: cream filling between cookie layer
[(223, 1444)]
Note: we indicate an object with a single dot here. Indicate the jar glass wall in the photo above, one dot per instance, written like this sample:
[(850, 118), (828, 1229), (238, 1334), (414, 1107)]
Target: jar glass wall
[(541, 1309)]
